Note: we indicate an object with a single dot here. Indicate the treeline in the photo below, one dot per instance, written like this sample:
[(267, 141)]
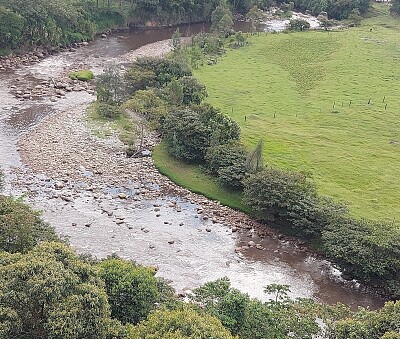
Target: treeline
[(336, 9), (48, 291), (28, 23)]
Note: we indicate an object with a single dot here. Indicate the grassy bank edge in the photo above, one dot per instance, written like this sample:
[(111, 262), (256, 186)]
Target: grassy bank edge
[(195, 179)]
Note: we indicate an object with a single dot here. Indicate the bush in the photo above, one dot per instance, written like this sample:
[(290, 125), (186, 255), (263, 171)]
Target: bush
[(108, 111), (189, 132), (358, 246), (20, 227), (289, 196), (227, 162), (150, 105), (83, 75), (149, 72), (194, 92), (298, 25)]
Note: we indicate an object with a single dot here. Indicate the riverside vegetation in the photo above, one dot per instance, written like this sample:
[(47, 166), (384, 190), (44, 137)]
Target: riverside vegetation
[(25, 24), (49, 291)]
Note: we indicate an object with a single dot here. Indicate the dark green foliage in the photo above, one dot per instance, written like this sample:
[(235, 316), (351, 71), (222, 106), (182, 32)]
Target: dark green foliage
[(298, 25), (110, 87), (155, 72), (395, 7), (227, 162), (365, 324), (189, 131), (108, 111), (132, 290), (220, 17), (50, 293), (20, 227), (336, 9), (194, 92), (252, 319), (26, 23), (151, 105), (11, 28), (289, 196), (184, 323), (357, 246)]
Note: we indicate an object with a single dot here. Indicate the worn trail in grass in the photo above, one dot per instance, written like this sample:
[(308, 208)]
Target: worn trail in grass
[(318, 101)]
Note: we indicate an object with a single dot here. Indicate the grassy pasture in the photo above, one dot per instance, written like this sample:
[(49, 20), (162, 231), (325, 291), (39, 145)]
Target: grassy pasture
[(318, 101)]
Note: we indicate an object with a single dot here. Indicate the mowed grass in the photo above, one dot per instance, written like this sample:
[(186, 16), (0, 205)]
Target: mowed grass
[(318, 100), (195, 179)]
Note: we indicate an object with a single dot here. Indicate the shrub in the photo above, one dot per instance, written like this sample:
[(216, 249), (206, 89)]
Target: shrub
[(359, 247), (194, 92), (20, 227), (298, 25), (148, 103), (189, 132), (289, 196), (181, 324), (227, 162), (83, 75), (149, 72), (108, 111)]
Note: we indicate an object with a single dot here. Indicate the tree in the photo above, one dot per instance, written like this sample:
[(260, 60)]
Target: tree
[(177, 41), (395, 7), (383, 323), (355, 17), (132, 289), (20, 227), (50, 293), (358, 246), (221, 19), (110, 86), (11, 29), (227, 162), (184, 323), (255, 16), (254, 161), (290, 198), (189, 132), (194, 92), (298, 25)]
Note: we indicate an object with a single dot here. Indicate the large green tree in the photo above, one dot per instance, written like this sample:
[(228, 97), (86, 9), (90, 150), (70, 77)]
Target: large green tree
[(182, 323), (132, 289), (51, 293), (20, 227)]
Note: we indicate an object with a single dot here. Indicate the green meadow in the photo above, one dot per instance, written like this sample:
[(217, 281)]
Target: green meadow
[(327, 103)]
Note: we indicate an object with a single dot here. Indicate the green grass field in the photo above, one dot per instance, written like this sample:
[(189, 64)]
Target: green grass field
[(196, 180), (295, 90)]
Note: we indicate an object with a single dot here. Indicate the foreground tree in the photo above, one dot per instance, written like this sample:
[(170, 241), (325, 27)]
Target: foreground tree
[(132, 289), (50, 293), (20, 227), (183, 323)]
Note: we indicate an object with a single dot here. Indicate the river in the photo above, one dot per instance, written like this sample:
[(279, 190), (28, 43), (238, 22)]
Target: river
[(158, 227)]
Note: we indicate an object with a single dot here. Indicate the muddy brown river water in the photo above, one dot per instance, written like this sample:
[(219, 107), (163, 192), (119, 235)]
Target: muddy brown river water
[(188, 249)]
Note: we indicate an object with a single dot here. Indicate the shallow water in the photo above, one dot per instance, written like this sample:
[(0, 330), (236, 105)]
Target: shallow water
[(196, 255)]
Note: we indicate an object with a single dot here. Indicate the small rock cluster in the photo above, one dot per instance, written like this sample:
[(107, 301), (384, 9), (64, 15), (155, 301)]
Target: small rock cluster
[(54, 89)]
